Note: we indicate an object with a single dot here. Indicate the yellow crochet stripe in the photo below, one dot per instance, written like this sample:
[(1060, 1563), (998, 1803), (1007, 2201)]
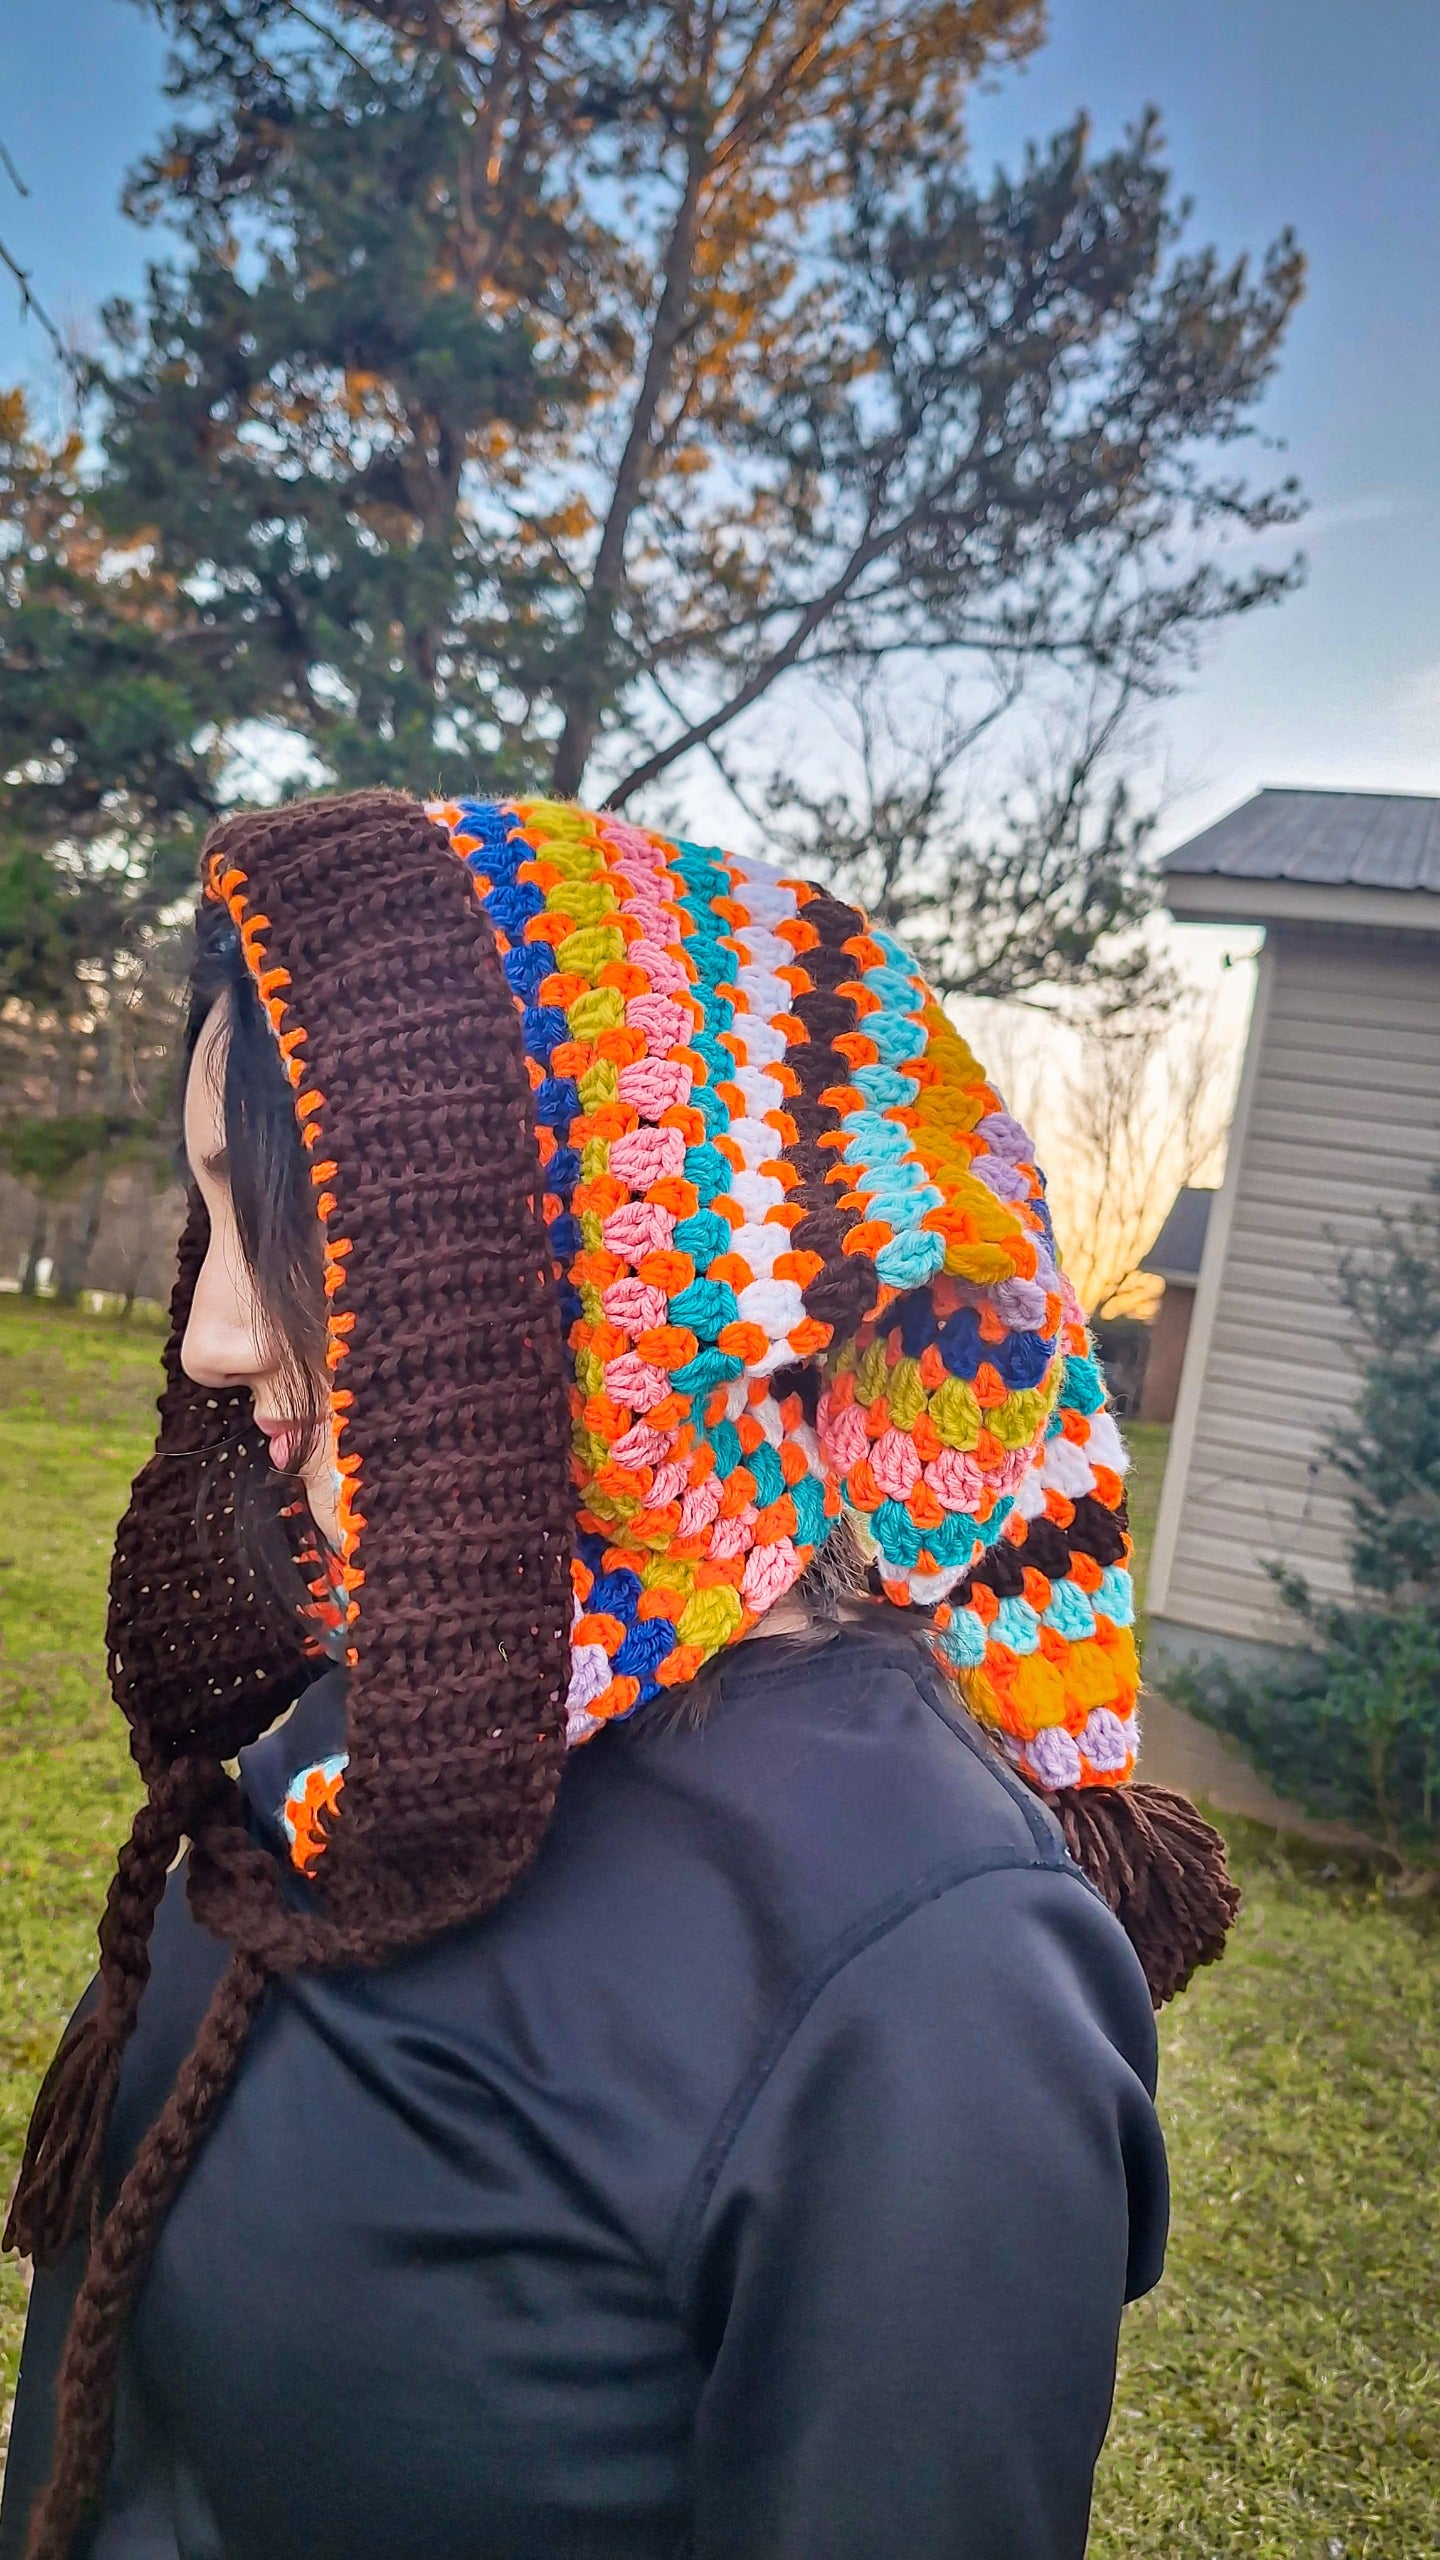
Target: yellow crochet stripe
[(953, 1098)]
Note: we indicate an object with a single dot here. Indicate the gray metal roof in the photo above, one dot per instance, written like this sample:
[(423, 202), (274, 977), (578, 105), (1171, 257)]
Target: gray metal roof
[(1175, 1253), (1327, 839)]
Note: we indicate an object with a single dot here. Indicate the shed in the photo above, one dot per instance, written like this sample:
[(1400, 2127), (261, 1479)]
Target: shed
[(1337, 1120), (1173, 1258)]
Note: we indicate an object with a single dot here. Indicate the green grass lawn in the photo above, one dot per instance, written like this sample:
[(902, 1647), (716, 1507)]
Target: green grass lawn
[(1147, 1443), (77, 1401), (1279, 2397)]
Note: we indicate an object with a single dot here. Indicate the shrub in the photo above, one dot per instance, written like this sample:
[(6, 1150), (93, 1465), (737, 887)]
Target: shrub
[(1350, 1726)]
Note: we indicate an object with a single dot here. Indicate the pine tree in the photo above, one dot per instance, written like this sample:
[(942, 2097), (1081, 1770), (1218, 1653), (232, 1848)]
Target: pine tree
[(109, 701), (525, 397), (109, 748), (316, 414)]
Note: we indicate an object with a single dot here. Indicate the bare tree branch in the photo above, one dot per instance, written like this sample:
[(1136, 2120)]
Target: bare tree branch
[(328, 36), (12, 172), (876, 543), (1046, 892), (1146, 1115), (31, 305)]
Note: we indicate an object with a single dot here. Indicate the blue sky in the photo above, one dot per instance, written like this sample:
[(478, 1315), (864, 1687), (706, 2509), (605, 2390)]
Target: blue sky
[(1324, 114), (1321, 113)]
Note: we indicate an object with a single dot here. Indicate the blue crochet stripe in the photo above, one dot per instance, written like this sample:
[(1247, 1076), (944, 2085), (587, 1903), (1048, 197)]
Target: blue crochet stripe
[(494, 863), (902, 1193), (510, 902), (876, 1146)]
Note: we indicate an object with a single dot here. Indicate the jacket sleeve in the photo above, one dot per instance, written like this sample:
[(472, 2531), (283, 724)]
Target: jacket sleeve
[(52, 2293), (906, 2274), (138, 2522)]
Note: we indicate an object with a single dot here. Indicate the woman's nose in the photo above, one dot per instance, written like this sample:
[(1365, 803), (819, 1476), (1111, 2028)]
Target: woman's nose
[(222, 1345)]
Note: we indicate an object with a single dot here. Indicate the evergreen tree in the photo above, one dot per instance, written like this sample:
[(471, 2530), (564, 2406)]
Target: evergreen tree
[(318, 412), (526, 396), (109, 749), (1351, 1727), (110, 701)]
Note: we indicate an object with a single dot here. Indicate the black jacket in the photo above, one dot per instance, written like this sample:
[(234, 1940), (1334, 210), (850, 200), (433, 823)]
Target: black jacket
[(761, 2181)]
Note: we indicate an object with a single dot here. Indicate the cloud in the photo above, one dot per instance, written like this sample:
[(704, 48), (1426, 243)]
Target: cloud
[(1417, 700), (1338, 515)]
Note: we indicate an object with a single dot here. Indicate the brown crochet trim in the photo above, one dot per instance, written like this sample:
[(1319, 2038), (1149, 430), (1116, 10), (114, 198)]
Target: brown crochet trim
[(454, 1364), (454, 1369)]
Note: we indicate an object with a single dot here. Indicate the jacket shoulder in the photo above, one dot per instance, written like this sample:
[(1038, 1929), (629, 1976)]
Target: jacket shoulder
[(818, 1785), (854, 1757)]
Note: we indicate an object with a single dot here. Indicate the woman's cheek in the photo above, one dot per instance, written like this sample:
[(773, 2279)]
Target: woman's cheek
[(321, 1479)]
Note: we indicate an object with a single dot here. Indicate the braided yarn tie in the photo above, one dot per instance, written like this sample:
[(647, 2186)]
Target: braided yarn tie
[(120, 2251)]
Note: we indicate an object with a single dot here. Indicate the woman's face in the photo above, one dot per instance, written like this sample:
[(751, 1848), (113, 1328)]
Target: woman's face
[(226, 1342)]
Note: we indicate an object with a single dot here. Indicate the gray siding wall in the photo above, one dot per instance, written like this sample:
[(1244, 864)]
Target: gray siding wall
[(1340, 1118)]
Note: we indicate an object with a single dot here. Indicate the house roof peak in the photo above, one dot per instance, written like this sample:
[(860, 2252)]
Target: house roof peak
[(1321, 856)]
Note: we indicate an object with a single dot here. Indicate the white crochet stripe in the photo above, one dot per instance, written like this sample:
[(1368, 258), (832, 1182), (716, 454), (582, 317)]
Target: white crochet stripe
[(777, 1306)]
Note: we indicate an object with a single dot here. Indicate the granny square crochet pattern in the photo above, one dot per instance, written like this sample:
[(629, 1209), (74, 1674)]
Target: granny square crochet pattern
[(805, 1265)]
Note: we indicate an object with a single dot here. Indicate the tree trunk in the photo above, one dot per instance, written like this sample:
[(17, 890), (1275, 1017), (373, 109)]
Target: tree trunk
[(585, 697), (74, 1260), (30, 1278)]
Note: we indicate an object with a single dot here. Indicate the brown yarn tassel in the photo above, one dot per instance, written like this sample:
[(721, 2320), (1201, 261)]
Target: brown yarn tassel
[(62, 2147), (1162, 1870), (61, 2164)]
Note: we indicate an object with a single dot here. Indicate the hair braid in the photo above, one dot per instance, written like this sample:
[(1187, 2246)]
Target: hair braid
[(85, 2393)]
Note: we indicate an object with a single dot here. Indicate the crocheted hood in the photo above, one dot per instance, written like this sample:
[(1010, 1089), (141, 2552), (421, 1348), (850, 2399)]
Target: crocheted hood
[(804, 1264), (379, 972), (666, 1217), (666, 1220)]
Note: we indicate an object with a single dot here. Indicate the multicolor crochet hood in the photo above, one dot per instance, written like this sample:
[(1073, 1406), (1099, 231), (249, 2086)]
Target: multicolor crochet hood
[(802, 1267), (666, 1221), (805, 1265)]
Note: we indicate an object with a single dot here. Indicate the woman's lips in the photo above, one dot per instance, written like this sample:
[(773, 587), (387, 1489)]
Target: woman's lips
[(284, 1439)]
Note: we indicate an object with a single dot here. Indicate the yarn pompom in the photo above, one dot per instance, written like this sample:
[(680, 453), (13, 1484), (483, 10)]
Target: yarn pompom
[(1161, 1867)]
